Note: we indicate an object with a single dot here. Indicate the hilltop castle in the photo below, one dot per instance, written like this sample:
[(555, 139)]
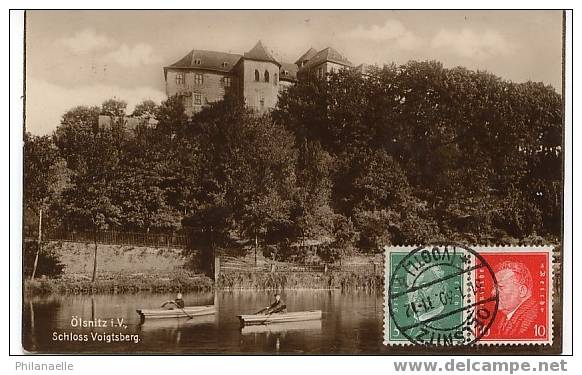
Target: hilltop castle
[(203, 77)]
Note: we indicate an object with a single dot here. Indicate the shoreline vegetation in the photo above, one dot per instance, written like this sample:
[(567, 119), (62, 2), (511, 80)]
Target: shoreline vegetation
[(127, 285), (133, 269), (241, 281)]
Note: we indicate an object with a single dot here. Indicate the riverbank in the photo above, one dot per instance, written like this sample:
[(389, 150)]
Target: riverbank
[(120, 284), (345, 281), (132, 269), (198, 283)]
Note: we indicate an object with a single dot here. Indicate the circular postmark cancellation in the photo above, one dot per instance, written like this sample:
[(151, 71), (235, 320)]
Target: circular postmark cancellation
[(437, 295)]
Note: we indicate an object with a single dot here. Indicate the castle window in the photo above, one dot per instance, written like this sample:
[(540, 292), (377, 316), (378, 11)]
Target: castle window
[(285, 73), (257, 76), (197, 61), (224, 64), (275, 79), (266, 76), (196, 98), (262, 102), (179, 78), (198, 79), (186, 101), (227, 81)]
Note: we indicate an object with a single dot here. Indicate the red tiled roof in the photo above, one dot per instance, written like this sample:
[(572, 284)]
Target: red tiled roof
[(209, 60)]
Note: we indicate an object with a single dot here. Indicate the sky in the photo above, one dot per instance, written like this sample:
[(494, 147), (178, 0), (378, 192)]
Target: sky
[(85, 57)]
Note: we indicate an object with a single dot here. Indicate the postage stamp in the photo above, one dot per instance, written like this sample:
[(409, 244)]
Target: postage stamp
[(456, 295)]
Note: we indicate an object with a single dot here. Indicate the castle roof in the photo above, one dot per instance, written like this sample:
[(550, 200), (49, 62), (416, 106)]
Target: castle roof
[(288, 72), (259, 52), (307, 55), (328, 54), (208, 60)]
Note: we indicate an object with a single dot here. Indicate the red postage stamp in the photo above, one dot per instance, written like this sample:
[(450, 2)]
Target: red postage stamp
[(524, 290)]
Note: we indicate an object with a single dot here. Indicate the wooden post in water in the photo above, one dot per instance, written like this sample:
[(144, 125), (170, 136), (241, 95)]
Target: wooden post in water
[(256, 245), (216, 268), (94, 258), (39, 243)]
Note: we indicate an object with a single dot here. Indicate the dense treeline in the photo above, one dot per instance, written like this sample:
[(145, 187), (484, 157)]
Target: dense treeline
[(403, 155)]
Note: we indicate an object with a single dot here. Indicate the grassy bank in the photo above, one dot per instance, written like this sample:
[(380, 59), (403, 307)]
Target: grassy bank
[(131, 269), (77, 258), (300, 280), (119, 284), (243, 280)]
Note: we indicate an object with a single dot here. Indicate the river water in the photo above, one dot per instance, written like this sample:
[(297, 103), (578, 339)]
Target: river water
[(351, 324)]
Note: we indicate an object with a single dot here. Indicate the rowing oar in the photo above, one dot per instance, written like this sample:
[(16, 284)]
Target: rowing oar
[(262, 311), (181, 308), (184, 311)]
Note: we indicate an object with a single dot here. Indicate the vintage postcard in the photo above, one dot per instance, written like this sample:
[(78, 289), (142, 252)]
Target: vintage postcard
[(314, 182)]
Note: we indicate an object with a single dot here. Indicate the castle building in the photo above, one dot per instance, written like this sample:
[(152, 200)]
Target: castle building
[(255, 77)]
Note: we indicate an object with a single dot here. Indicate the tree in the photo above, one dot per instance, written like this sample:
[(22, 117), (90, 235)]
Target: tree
[(344, 237), (147, 109), (45, 177), (311, 212), (113, 108), (249, 162), (92, 153), (171, 117)]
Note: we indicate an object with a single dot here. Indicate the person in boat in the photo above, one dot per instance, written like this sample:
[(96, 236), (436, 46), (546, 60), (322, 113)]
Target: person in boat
[(278, 306), (178, 302)]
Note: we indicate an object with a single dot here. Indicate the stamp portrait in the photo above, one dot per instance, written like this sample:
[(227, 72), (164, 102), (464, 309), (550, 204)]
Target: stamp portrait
[(524, 289)]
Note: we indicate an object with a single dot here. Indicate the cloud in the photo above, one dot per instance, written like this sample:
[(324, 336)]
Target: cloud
[(391, 31), (85, 41), (132, 57), (470, 44), (88, 40), (47, 102)]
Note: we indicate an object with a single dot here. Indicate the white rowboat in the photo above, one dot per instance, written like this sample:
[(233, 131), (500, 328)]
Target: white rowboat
[(309, 325), (299, 316), (186, 312)]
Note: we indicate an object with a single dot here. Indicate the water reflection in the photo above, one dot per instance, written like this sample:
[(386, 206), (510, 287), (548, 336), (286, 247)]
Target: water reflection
[(352, 323)]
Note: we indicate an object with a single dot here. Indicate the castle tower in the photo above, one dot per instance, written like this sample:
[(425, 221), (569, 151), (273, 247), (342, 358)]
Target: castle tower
[(259, 76)]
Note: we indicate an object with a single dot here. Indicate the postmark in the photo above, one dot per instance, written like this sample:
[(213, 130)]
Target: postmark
[(456, 295)]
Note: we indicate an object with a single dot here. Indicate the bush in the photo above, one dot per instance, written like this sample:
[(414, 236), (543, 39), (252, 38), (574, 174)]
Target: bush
[(48, 264)]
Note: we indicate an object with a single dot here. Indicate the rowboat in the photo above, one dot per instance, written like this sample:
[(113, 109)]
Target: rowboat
[(308, 325), (299, 316), (186, 312), (151, 325)]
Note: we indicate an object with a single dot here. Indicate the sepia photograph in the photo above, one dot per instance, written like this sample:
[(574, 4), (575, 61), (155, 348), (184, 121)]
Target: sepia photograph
[(309, 182)]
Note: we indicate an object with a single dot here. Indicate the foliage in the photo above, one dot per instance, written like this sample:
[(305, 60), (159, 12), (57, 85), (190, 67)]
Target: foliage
[(147, 109), (49, 264), (311, 213), (247, 167)]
